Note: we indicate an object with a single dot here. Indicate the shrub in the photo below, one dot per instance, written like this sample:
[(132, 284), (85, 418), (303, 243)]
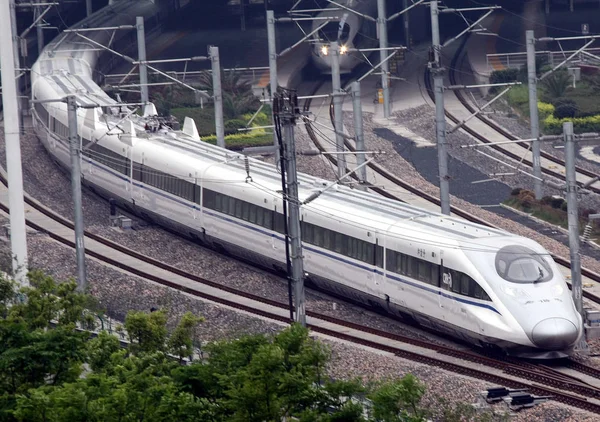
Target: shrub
[(545, 110), (556, 202), (546, 200), (516, 191), (565, 110), (556, 84), (553, 125), (564, 206)]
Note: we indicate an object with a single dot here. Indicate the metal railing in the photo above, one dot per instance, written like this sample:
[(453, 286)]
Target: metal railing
[(499, 61), (249, 74)]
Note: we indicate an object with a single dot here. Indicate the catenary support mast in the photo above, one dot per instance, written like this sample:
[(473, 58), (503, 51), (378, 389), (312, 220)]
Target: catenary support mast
[(440, 119), (533, 114), (18, 241), (141, 40), (75, 152)]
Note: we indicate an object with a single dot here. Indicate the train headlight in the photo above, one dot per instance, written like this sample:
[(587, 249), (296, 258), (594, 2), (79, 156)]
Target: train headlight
[(343, 49), (324, 50), (558, 290)]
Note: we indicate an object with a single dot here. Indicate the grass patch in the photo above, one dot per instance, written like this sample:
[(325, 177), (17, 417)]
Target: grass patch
[(237, 142), (550, 209)]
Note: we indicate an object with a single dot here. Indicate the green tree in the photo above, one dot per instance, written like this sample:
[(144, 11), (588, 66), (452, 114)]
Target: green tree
[(39, 345), (147, 332), (398, 401), (180, 342)]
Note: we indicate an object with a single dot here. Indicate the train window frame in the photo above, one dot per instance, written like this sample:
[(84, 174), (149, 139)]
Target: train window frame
[(511, 255)]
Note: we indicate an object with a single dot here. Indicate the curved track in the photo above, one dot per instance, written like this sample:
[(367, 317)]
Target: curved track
[(500, 130), (410, 188), (511, 374)]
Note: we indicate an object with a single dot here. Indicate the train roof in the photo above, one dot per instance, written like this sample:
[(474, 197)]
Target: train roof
[(339, 202)]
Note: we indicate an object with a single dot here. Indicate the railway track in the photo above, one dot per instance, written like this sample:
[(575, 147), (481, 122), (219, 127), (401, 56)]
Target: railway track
[(500, 130), (562, 389), (380, 170), (535, 373)]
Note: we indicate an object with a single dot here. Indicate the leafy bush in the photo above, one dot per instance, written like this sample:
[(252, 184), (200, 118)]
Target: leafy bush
[(518, 97), (234, 124), (556, 202), (504, 76), (553, 125), (545, 110), (566, 110), (556, 84), (516, 191)]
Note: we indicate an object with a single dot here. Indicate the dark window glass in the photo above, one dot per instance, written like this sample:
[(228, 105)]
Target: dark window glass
[(464, 285)]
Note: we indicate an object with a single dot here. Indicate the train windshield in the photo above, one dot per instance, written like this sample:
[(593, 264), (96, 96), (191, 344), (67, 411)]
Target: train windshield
[(335, 31), (519, 264)]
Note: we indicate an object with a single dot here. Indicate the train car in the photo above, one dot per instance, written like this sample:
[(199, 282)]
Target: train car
[(483, 285), (350, 30)]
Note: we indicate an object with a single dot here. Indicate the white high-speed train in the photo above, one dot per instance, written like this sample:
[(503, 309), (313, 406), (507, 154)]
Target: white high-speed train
[(486, 286), (350, 30)]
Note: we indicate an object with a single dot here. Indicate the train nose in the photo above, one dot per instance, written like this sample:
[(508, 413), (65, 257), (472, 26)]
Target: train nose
[(554, 333)]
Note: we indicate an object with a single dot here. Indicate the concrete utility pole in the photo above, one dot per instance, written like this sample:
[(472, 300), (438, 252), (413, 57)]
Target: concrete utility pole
[(358, 133), (39, 27), (17, 61), (334, 51), (213, 53), (88, 7), (287, 114), (533, 114), (406, 24), (75, 152), (141, 41), (383, 53), (272, 64), (18, 240), (573, 222), (440, 118)]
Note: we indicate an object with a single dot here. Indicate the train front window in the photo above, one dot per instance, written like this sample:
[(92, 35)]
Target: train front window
[(519, 264), (335, 31)]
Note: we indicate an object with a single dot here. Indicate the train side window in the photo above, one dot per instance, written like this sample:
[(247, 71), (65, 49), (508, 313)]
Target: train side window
[(318, 236), (327, 234), (479, 293), (390, 260), (261, 217), (245, 211), (218, 202), (339, 242), (252, 210), (423, 271), (435, 275), (137, 171), (268, 219), (238, 208), (307, 232), (209, 199), (455, 281), (279, 223), (379, 256), (464, 284)]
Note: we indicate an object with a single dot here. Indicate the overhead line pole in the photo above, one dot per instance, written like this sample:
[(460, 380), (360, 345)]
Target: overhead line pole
[(75, 153), (440, 118), (358, 133), (213, 53), (336, 83), (573, 223), (383, 45), (18, 234), (533, 114), (272, 46), (39, 29), (141, 41)]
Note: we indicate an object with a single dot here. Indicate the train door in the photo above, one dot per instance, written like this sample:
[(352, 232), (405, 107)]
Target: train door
[(444, 297), (378, 273)]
